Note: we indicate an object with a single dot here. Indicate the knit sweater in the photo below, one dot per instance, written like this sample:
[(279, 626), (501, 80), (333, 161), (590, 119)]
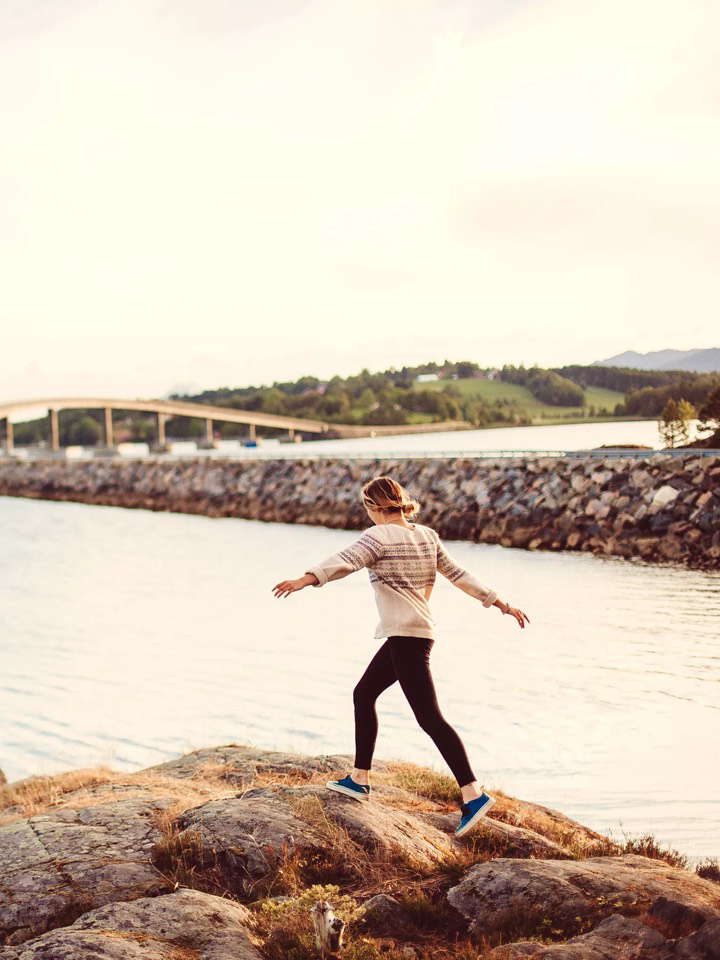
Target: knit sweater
[(402, 563)]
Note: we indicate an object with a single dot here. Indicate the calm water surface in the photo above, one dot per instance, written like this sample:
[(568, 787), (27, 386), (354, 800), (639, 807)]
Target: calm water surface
[(128, 637)]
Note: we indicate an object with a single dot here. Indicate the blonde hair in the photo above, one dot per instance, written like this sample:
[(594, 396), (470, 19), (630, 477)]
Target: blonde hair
[(386, 495)]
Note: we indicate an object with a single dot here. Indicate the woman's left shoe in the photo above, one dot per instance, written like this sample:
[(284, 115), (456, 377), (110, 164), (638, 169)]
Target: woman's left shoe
[(472, 811), (358, 791)]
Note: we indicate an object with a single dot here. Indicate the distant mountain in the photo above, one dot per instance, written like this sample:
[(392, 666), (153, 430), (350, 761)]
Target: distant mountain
[(698, 361)]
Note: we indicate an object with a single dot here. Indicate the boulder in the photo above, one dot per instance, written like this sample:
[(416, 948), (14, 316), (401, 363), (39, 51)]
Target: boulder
[(58, 866), (504, 838), (247, 836), (703, 945), (615, 938), (240, 765), (184, 925), (569, 891), (384, 913)]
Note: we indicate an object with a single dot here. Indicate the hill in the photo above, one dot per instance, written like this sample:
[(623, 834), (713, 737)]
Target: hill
[(697, 361)]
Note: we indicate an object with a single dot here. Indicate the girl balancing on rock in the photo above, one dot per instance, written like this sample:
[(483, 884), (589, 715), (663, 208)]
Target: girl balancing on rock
[(402, 559)]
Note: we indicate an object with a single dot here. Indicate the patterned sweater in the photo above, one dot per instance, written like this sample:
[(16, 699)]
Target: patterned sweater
[(402, 563)]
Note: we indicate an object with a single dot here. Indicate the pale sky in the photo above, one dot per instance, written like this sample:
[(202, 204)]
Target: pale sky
[(207, 193)]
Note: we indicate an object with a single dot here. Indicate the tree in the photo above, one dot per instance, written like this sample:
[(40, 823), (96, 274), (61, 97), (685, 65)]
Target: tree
[(273, 401), (367, 399), (709, 414), (85, 432), (674, 422)]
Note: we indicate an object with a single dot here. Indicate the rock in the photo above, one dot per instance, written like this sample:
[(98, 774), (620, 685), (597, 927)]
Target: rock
[(703, 945), (247, 836), (240, 765), (383, 912), (504, 839), (3, 778), (184, 925), (680, 918), (58, 866), (552, 825), (664, 495), (564, 890), (640, 478), (616, 938)]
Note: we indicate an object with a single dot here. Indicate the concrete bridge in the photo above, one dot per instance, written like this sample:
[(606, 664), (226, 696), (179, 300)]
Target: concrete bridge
[(163, 409)]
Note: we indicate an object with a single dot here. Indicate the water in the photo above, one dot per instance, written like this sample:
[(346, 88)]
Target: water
[(128, 637), (550, 437)]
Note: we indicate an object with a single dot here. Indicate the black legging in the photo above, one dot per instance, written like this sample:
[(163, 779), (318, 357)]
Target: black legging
[(406, 659)]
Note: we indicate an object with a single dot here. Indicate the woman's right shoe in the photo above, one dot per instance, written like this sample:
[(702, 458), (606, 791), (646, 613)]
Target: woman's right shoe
[(358, 791)]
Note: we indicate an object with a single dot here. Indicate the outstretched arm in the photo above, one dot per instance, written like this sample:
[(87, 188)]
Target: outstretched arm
[(463, 579), (469, 583), (364, 552)]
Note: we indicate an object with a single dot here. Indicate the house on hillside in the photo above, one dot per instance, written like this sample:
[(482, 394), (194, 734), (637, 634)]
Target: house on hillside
[(426, 378)]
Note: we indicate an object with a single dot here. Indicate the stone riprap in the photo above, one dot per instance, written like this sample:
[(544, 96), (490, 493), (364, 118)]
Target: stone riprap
[(659, 508)]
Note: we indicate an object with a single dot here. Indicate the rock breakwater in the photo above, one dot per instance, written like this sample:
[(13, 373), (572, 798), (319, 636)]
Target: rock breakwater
[(659, 508)]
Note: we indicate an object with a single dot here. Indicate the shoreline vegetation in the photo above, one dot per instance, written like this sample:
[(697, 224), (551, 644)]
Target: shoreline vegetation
[(461, 394), (222, 853), (659, 508)]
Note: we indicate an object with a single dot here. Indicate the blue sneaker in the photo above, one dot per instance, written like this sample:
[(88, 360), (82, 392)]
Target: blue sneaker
[(472, 811), (358, 791)]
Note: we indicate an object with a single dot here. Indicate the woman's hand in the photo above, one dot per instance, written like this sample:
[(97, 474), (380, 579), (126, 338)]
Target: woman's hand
[(519, 615), (286, 587)]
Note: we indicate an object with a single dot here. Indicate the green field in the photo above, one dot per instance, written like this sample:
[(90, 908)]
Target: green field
[(492, 390)]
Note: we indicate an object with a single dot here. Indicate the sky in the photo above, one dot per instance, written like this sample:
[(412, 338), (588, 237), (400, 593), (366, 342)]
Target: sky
[(207, 193)]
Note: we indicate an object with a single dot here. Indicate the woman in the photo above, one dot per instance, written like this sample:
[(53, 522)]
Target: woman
[(402, 559)]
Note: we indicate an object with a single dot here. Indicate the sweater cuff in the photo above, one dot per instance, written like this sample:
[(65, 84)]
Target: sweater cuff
[(489, 600), (320, 574)]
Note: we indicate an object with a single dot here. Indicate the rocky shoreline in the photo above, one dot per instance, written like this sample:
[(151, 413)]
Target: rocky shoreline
[(221, 855), (659, 508)]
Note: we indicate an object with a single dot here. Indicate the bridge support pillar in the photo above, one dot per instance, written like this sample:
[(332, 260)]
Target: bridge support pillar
[(108, 427), (54, 430), (251, 429), (161, 427), (9, 441), (291, 434), (209, 430)]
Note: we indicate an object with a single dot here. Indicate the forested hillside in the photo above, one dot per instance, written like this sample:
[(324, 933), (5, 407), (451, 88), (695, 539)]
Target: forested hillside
[(460, 391)]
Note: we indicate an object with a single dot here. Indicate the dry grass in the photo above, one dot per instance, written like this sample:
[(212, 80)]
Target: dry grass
[(82, 788), (357, 868), (579, 842), (436, 787), (438, 790), (709, 870), (647, 846), (36, 794), (287, 932)]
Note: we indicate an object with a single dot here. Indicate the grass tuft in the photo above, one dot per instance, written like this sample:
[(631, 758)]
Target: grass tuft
[(647, 846), (438, 787), (709, 870)]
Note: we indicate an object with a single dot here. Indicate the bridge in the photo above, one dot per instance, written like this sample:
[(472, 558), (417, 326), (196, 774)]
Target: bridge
[(163, 409)]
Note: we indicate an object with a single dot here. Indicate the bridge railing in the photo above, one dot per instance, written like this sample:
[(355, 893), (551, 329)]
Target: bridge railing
[(306, 452)]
